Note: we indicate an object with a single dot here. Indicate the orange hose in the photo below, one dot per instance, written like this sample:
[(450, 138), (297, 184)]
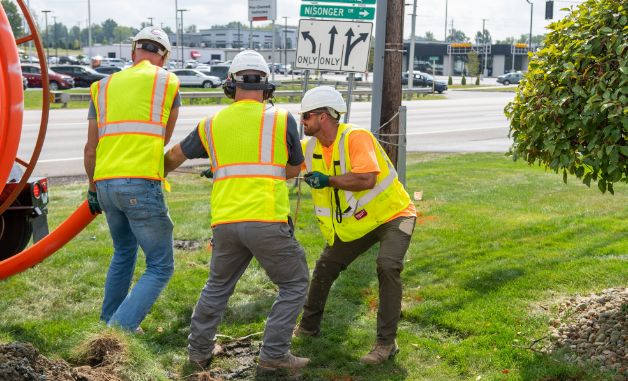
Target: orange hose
[(11, 98), (49, 244)]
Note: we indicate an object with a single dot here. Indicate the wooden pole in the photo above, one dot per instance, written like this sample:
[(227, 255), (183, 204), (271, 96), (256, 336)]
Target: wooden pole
[(391, 97)]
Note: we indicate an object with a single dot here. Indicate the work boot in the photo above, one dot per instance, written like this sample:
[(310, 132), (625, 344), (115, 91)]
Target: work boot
[(380, 353), (299, 331), (202, 365), (288, 362)]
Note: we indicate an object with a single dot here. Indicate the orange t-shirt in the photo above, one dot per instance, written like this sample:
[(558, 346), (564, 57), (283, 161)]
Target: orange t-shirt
[(364, 160)]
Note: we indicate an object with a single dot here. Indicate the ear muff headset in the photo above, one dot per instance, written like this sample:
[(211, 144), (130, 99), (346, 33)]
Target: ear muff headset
[(248, 82)]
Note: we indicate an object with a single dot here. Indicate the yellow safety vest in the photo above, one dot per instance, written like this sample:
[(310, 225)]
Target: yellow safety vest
[(132, 110), (248, 150), (351, 215)]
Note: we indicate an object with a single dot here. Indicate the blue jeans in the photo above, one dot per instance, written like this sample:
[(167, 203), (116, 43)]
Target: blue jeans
[(137, 217)]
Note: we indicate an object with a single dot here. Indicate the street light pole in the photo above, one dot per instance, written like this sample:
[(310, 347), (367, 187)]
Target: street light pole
[(89, 29), (176, 23), (285, 40), (446, 6), (181, 12), (45, 12), (531, 12), (485, 72), (54, 34), (411, 53)]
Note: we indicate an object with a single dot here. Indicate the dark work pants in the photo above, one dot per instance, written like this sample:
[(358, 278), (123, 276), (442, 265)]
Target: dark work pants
[(394, 239)]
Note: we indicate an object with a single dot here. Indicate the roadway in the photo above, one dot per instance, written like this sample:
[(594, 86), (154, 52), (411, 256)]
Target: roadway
[(467, 121)]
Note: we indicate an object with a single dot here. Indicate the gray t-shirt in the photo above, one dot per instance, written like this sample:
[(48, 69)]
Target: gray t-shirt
[(192, 145), (91, 114)]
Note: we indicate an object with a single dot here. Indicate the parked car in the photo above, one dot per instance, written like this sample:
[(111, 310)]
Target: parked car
[(108, 62), (83, 76), (220, 71), (190, 77), (209, 74), (509, 78), (107, 70), (56, 81), (68, 60), (424, 80)]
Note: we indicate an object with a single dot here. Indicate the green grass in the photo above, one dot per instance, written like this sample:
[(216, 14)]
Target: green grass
[(494, 241)]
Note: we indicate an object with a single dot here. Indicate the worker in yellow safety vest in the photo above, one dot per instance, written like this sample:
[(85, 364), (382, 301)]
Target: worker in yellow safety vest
[(132, 116), (253, 148), (358, 201)]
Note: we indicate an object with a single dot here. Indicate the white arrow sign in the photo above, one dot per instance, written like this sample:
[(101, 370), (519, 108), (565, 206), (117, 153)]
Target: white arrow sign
[(333, 45)]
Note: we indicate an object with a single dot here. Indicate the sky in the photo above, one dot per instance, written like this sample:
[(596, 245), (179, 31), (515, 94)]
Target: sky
[(504, 18)]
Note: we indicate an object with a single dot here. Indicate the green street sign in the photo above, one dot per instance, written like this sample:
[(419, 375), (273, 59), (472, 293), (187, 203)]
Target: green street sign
[(337, 12), (346, 1)]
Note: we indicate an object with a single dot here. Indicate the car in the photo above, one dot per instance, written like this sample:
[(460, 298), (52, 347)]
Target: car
[(209, 74), (277, 68), (24, 83), (424, 80), (108, 62), (357, 77), (107, 70), (56, 81), (83, 76), (509, 78), (220, 71), (191, 77), (68, 60)]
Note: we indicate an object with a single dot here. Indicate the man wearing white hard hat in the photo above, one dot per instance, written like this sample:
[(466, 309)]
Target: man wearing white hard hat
[(358, 201), (132, 116), (253, 148)]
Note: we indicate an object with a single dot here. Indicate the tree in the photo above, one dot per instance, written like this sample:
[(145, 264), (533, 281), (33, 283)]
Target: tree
[(473, 64), (536, 40), (483, 38), (168, 30), (457, 36), (15, 17), (506, 41), (569, 113), (429, 36), (191, 29), (109, 31)]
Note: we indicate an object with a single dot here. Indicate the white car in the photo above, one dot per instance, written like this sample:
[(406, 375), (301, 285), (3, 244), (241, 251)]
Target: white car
[(194, 78)]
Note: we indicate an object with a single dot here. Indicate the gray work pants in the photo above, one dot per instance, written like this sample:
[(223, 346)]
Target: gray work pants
[(283, 259), (394, 238)]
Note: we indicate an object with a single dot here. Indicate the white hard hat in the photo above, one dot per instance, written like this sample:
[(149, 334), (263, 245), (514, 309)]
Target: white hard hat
[(323, 96), (249, 60), (155, 34)]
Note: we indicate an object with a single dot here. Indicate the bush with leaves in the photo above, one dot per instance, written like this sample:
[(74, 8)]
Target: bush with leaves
[(450, 81), (463, 81), (570, 112)]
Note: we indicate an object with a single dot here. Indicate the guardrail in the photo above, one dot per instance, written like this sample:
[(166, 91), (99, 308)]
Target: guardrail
[(292, 95)]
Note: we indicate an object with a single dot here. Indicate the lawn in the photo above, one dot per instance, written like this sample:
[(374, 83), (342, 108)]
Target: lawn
[(497, 246)]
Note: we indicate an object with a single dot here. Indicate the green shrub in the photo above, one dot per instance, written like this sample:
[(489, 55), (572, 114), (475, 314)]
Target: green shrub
[(450, 81), (570, 113), (463, 81)]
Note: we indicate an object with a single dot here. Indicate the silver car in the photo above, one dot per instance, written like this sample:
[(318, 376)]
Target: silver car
[(194, 78)]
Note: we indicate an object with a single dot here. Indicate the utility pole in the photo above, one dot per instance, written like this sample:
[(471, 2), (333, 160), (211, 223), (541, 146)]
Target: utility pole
[(151, 20), (411, 54), (446, 6), (272, 61), (531, 12), (485, 71), (45, 12), (176, 23), (181, 24), (54, 34), (285, 40), (89, 29), (391, 92)]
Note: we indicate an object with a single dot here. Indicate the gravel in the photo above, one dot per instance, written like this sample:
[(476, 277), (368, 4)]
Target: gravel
[(593, 331)]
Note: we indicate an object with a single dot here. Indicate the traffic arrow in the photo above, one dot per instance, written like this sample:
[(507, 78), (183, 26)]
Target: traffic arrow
[(364, 13), (351, 45), (332, 39), (306, 36)]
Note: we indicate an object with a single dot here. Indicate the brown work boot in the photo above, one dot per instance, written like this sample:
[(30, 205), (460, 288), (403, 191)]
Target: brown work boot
[(380, 353), (288, 362), (299, 331), (202, 365)]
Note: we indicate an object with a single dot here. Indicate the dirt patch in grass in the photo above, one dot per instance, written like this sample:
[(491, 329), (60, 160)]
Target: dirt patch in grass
[(188, 245), (23, 362)]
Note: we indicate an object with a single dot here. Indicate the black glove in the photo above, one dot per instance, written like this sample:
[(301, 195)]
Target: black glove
[(316, 180), (207, 173), (92, 200)]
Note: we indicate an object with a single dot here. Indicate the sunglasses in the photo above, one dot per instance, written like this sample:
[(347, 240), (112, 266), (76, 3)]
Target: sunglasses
[(306, 115)]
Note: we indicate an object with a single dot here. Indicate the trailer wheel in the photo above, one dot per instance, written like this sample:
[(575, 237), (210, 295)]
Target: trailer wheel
[(15, 233)]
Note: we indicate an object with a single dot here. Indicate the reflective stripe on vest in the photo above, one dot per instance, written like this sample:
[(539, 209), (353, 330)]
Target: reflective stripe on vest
[(267, 149), (377, 189), (159, 97)]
